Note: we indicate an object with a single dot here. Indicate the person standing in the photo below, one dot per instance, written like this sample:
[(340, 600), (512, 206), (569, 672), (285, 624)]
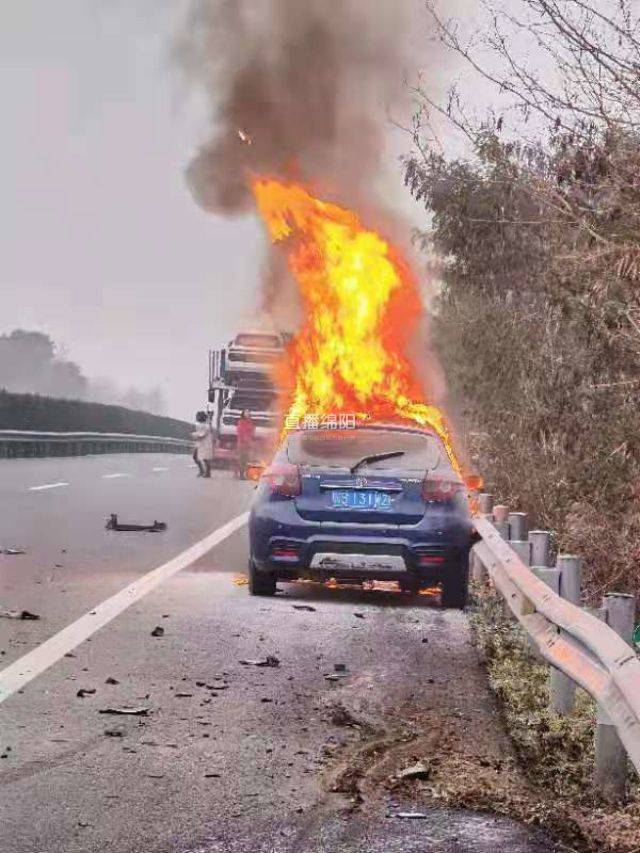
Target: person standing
[(204, 438), (245, 431)]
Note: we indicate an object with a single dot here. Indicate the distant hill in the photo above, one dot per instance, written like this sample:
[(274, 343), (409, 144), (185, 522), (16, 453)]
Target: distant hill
[(39, 413)]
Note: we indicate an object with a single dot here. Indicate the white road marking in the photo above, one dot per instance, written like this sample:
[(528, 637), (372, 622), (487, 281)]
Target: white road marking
[(28, 667), (160, 469), (114, 476), (47, 486)]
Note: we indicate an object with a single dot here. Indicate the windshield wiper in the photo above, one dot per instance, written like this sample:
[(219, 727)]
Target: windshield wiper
[(376, 457)]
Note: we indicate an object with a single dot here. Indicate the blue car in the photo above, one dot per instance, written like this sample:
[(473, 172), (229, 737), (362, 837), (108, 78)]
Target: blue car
[(375, 502)]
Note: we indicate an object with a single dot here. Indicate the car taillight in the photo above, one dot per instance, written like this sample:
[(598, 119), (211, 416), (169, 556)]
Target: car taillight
[(440, 490), (283, 478)]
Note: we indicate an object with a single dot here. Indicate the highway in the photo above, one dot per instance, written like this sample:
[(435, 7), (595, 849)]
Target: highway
[(223, 755)]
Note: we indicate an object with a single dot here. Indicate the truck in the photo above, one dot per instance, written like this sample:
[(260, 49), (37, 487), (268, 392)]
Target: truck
[(241, 378)]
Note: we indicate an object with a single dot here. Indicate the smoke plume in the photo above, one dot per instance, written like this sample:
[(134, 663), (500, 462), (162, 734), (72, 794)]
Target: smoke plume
[(297, 88)]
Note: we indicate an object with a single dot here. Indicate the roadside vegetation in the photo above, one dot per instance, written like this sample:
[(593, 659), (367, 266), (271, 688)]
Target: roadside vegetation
[(39, 413), (537, 228), (557, 752)]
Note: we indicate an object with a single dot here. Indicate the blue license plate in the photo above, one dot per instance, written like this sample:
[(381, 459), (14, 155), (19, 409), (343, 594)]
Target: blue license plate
[(359, 499)]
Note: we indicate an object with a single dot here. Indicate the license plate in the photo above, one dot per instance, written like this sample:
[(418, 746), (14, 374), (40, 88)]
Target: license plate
[(359, 499)]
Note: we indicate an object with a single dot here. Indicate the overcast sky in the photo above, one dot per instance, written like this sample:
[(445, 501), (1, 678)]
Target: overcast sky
[(101, 244)]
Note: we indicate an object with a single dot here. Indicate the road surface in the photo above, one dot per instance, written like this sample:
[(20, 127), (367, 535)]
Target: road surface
[(228, 756)]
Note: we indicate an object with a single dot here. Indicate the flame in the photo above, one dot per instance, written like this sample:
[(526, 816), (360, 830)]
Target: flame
[(361, 304)]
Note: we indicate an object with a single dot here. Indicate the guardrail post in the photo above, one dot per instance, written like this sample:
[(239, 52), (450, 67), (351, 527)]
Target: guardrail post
[(562, 690), (540, 547), (610, 771), (485, 503), (522, 549), (519, 524), (501, 520)]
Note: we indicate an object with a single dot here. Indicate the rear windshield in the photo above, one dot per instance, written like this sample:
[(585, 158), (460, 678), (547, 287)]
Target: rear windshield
[(258, 341), (343, 448)]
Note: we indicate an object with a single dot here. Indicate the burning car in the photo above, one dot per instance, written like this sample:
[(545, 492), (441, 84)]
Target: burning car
[(375, 502)]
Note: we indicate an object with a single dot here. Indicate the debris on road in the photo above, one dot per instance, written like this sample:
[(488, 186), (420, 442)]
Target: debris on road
[(359, 615), (114, 524), (25, 615), (85, 691), (240, 580), (12, 552), (270, 661), (114, 732), (412, 815), (183, 695), (111, 680), (157, 631), (335, 676), (340, 667), (128, 712), (304, 607), (416, 771), (211, 775)]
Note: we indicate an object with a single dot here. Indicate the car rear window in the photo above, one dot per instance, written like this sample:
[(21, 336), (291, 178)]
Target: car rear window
[(258, 341), (343, 448)]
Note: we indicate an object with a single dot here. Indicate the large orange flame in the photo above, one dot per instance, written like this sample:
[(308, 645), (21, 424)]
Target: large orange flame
[(361, 304)]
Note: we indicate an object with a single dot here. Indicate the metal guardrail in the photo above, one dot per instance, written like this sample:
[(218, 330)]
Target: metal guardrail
[(20, 443), (576, 643)]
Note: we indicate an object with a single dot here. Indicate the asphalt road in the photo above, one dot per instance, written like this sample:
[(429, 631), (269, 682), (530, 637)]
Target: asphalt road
[(228, 756)]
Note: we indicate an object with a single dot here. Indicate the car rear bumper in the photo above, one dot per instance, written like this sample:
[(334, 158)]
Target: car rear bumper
[(430, 550)]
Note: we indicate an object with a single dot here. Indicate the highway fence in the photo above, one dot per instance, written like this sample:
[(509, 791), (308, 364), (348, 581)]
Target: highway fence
[(26, 444), (587, 648)]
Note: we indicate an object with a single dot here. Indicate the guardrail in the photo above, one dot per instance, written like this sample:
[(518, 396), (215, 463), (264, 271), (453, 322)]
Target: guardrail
[(19, 443), (590, 649)]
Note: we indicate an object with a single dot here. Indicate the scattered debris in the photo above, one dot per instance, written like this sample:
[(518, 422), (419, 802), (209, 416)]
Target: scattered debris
[(341, 716), (154, 775), (416, 771), (412, 815), (424, 640), (211, 775), (340, 667), (157, 631), (304, 607), (18, 614), (359, 615), (12, 552), (112, 681), (270, 661), (114, 732), (69, 655), (240, 580), (266, 699), (128, 712), (85, 691), (183, 695), (334, 676), (114, 524)]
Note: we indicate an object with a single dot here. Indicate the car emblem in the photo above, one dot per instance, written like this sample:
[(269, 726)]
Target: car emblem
[(361, 482)]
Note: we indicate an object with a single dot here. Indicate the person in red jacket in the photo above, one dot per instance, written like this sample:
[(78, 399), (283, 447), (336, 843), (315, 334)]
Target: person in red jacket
[(245, 430)]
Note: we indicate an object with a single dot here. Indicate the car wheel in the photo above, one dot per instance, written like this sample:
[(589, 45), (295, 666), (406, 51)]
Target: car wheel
[(261, 583), (455, 587), (411, 585)]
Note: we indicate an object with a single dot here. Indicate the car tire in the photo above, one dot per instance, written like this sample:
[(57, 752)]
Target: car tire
[(455, 587), (261, 583), (411, 585)]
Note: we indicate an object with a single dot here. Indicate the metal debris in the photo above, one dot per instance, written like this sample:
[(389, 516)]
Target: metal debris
[(270, 661), (114, 524), (85, 691), (304, 607), (18, 614), (12, 552), (112, 681), (127, 712), (416, 771), (157, 631)]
